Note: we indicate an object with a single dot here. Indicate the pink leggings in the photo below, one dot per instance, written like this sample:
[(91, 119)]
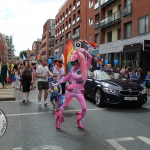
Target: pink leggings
[(80, 98)]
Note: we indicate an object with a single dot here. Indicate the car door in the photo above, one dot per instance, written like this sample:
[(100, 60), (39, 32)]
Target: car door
[(87, 86)]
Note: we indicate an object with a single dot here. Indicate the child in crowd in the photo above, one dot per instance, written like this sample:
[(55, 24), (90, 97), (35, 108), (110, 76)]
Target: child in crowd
[(147, 84), (55, 91)]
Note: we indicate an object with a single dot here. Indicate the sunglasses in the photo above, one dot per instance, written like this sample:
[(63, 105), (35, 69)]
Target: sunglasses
[(74, 62)]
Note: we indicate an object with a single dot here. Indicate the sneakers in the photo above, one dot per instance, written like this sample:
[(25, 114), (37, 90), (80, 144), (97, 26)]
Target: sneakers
[(46, 104), (39, 105)]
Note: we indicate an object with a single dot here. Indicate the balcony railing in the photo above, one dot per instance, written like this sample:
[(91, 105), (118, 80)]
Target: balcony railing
[(62, 19), (96, 25), (69, 25), (78, 19), (78, 3), (62, 30), (73, 22), (56, 45), (104, 3), (76, 36), (127, 10), (69, 12), (66, 15), (111, 20), (61, 42), (66, 28), (96, 6), (74, 8)]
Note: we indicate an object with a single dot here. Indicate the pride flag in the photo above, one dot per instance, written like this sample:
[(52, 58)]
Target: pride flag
[(67, 54), (89, 43), (38, 57), (32, 53)]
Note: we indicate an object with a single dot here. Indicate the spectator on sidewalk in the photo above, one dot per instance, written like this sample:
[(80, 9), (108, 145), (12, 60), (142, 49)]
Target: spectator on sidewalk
[(4, 73), (147, 84), (42, 72)]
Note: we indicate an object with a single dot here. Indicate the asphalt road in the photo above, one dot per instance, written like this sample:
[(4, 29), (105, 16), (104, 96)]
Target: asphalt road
[(109, 128)]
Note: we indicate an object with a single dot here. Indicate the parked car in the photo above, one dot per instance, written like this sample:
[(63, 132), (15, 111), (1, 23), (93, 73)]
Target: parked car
[(113, 88)]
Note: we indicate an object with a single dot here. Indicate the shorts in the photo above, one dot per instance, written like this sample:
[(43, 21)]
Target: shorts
[(43, 85), (54, 97)]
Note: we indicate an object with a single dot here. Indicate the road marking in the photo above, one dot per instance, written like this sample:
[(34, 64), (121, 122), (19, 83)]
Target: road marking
[(18, 148), (116, 145), (49, 112), (144, 139), (45, 147)]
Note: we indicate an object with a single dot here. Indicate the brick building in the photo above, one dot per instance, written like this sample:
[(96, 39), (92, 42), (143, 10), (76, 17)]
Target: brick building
[(120, 27), (37, 47), (2, 48), (48, 39)]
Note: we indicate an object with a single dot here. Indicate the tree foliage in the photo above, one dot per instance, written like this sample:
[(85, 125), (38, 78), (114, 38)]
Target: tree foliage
[(24, 52), (16, 57)]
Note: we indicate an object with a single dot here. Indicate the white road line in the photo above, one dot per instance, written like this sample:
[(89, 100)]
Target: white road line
[(144, 139), (18, 148), (49, 112), (116, 145)]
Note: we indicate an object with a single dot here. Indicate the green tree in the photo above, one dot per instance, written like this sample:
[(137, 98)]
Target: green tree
[(16, 57), (24, 52)]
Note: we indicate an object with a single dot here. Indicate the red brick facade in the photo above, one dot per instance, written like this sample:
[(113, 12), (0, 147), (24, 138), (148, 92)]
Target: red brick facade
[(140, 8), (2, 49)]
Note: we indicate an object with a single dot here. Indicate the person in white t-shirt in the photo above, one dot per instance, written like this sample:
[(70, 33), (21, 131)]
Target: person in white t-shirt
[(42, 72)]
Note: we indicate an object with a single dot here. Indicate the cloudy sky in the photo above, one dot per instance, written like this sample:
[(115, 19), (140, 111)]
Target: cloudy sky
[(24, 19)]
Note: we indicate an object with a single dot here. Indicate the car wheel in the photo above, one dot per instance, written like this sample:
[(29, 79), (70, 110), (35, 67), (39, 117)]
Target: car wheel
[(98, 98)]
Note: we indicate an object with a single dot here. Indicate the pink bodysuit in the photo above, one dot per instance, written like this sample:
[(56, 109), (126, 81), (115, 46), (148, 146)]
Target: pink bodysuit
[(75, 89)]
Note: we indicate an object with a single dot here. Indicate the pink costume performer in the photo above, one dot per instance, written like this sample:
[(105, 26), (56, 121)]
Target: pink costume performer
[(77, 75)]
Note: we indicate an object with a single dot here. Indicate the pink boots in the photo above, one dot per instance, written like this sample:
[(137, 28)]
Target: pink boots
[(59, 119), (79, 123)]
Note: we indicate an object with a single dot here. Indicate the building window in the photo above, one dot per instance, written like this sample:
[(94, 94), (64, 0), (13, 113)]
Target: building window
[(143, 25), (119, 33), (96, 17), (90, 38), (97, 38), (90, 21), (90, 3), (109, 35), (128, 30)]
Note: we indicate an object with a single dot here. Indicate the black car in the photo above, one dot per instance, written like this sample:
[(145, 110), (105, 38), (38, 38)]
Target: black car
[(113, 88)]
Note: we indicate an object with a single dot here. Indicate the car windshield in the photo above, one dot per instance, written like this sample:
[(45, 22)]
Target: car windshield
[(102, 75)]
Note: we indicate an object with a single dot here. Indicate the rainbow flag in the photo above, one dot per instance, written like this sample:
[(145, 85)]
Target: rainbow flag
[(38, 57), (32, 53), (67, 54), (89, 43)]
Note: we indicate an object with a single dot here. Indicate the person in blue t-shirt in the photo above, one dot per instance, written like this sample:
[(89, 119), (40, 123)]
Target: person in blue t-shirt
[(135, 77), (147, 84), (55, 91)]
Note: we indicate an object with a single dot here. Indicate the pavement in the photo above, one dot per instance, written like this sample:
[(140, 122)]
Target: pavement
[(109, 128), (7, 93)]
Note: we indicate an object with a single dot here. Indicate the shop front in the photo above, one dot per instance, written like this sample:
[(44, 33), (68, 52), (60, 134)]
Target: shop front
[(135, 55)]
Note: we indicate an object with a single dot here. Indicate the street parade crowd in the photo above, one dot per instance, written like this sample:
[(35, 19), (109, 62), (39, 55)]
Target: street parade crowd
[(49, 76)]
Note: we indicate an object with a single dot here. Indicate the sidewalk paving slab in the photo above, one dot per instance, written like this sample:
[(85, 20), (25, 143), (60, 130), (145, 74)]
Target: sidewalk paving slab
[(7, 94)]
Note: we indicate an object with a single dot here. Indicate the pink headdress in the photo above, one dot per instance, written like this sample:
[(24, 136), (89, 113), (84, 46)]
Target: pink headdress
[(82, 63)]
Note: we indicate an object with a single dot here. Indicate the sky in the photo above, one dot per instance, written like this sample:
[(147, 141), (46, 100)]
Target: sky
[(24, 20)]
